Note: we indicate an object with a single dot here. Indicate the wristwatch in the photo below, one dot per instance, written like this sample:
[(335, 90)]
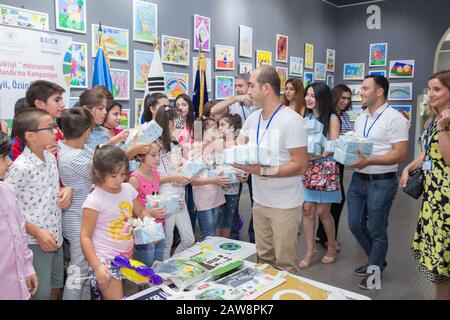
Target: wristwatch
[(263, 172)]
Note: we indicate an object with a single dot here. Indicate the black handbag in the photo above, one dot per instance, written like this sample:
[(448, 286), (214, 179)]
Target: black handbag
[(414, 187)]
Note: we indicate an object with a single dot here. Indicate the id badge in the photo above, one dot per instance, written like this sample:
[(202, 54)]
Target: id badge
[(427, 165)]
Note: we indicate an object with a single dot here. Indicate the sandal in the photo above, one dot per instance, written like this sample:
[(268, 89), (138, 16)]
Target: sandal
[(306, 261), (330, 259), (338, 246)]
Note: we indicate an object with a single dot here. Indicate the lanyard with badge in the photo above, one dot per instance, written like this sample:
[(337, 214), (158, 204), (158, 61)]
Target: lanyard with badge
[(427, 163), (243, 111), (366, 134), (258, 140)]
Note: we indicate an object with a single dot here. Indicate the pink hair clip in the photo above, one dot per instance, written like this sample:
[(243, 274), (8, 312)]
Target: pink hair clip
[(166, 108)]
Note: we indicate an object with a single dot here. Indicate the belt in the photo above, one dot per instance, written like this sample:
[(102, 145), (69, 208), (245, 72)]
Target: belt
[(381, 176)]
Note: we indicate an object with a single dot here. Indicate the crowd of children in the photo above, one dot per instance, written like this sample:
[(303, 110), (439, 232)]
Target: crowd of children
[(72, 181)]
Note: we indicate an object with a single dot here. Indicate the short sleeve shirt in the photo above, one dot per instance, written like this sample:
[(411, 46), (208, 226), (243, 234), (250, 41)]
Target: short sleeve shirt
[(391, 127), (286, 131), (113, 232), (37, 186)]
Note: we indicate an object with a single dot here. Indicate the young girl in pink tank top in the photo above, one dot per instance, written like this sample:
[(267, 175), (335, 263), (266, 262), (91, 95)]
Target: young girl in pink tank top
[(146, 181)]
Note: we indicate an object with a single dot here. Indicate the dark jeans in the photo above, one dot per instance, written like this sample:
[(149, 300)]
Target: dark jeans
[(227, 211), (369, 203), (235, 226), (189, 198), (336, 210)]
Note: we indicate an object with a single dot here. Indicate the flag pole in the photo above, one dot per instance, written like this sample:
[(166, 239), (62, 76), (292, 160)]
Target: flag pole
[(202, 67), (100, 31)]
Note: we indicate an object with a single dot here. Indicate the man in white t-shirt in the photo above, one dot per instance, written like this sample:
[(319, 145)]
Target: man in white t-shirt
[(375, 183), (277, 191)]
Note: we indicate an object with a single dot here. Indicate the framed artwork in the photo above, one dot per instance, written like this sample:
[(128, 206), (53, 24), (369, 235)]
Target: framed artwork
[(175, 50), (245, 41), (356, 111), (79, 67), (18, 17), (401, 69), (142, 64), (330, 81), (145, 21), (263, 58), (224, 87), (309, 55), (296, 66), (283, 74), (121, 84), (73, 101), (208, 72), (308, 78), (245, 67), (71, 15), (405, 110), (116, 41), (282, 48), (378, 72), (400, 91), (331, 60), (378, 54), (202, 29), (224, 56), (356, 92), (125, 119), (320, 70), (175, 84), (354, 71), (138, 104)]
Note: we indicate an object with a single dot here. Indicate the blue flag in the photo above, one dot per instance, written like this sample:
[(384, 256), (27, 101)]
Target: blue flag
[(102, 76), (200, 91)]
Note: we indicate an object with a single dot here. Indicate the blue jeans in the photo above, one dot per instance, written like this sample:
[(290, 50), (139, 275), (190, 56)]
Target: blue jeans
[(227, 211), (208, 221), (189, 198), (150, 252), (369, 203), (235, 227)]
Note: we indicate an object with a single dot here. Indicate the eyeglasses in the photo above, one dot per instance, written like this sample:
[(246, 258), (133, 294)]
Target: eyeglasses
[(51, 129)]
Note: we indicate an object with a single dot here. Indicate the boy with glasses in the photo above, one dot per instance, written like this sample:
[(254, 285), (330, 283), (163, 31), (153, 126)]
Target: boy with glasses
[(35, 177)]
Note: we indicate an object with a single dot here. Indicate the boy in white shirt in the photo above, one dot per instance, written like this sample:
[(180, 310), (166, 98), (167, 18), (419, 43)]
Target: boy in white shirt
[(34, 174)]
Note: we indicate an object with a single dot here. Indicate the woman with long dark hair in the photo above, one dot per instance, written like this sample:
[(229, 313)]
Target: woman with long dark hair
[(294, 96), (342, 101), (319, 106)]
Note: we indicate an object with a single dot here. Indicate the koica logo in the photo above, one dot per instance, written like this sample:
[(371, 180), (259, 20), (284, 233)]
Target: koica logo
[(49, 41)]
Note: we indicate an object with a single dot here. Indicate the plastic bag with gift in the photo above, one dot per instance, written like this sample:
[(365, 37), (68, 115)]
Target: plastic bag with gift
[(147, 231), (145, 133), (171, 202)]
